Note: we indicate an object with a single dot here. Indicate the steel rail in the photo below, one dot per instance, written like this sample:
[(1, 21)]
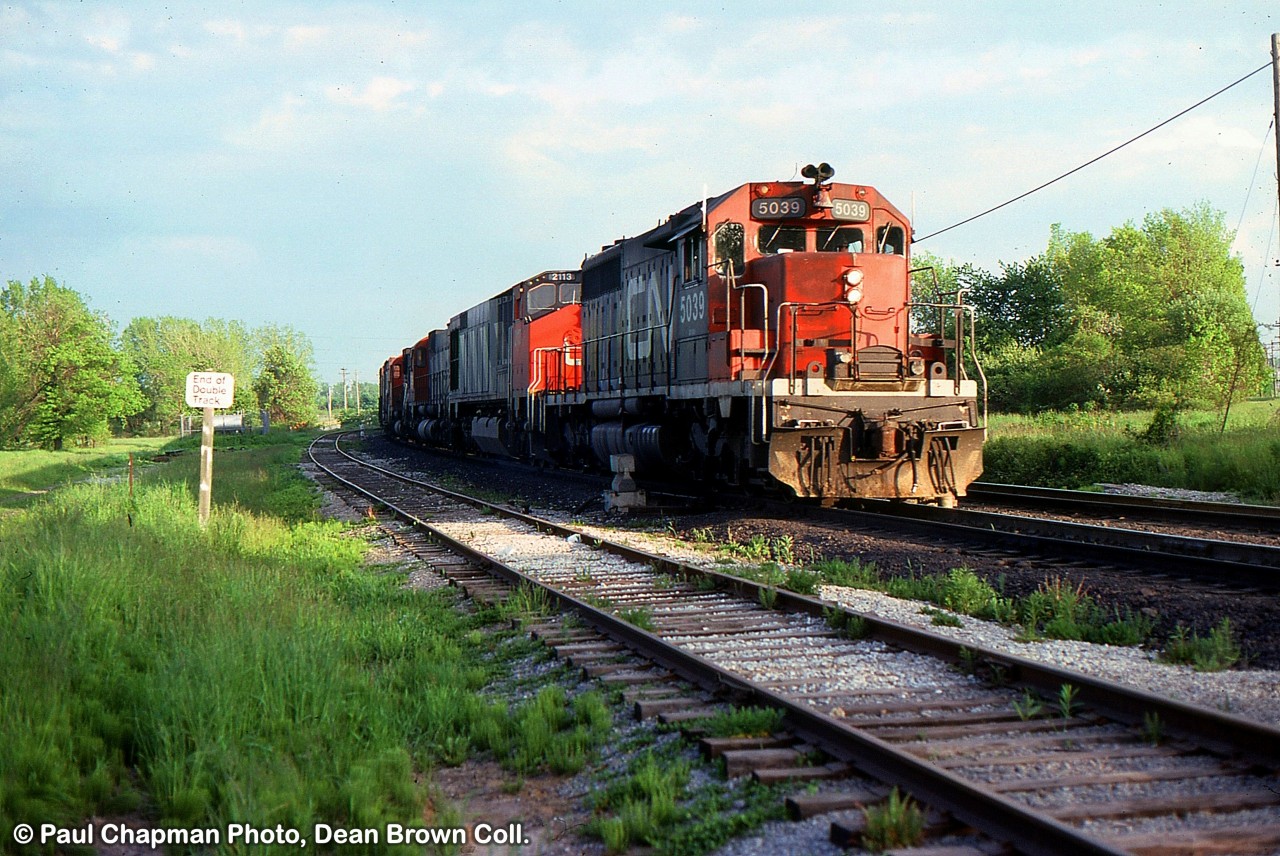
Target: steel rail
[(1181, 509), (1253, 565), (1027, 830)]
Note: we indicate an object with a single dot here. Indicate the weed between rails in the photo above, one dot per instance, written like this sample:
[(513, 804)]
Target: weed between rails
[(675, 803)]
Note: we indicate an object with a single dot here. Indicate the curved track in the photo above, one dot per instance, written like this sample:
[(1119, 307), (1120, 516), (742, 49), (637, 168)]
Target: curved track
[(995, 752)]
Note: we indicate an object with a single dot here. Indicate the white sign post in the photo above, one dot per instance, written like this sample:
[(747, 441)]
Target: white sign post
[(208, 390)]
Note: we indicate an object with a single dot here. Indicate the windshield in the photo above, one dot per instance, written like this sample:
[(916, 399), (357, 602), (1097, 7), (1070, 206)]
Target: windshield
[(776, 239), (839, 239)]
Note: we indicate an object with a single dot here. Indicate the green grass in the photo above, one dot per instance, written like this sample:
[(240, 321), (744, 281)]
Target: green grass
[(1212, 653), (32, 472), (895, 823), (1055, 610), (743, 722), (257, 473), (656, 805), (1077, 450), (253, 671)]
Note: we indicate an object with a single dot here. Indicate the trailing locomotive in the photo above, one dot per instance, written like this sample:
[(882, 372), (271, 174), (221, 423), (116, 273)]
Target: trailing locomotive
[(763, 336)]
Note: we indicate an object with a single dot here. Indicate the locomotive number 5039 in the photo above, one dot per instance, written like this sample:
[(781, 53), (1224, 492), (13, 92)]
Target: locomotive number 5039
[(778, 207), (850, 209), (693, 306)]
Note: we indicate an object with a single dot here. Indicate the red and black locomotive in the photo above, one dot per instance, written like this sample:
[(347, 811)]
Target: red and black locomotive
[(761, 336)]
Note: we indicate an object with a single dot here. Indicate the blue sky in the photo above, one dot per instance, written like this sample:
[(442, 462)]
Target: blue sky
[(364, 170)]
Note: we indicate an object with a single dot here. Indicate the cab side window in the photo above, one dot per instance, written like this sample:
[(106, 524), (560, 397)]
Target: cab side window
[(728, 243), (691, 256)]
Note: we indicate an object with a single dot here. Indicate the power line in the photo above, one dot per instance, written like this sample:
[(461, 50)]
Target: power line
[(1098, 158), (1254, 178)]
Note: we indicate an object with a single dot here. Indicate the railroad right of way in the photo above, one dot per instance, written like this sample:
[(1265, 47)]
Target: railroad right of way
[(1042, 758)]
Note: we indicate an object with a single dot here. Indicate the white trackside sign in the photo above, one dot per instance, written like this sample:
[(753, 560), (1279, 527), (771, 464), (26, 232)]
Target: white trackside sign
[(210, 389)]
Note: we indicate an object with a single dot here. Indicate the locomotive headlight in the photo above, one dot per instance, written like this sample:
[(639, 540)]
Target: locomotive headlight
[(853, 286), (915, 366)]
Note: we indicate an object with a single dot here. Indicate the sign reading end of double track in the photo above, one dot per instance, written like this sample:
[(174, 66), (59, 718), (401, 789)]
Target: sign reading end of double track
[(208, 390)]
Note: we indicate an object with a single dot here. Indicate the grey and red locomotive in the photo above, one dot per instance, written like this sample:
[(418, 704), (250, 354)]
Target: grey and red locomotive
[(764, 336)]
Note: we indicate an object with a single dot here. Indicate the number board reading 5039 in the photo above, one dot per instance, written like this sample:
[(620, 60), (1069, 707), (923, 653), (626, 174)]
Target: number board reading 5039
[(850, 209), (778, 208)]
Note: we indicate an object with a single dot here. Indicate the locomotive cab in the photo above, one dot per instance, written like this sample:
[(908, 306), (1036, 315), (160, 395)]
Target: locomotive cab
[(816, 304)]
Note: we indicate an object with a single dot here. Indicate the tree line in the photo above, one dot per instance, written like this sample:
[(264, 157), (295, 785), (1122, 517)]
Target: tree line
[(1151, 316), (67, 378)]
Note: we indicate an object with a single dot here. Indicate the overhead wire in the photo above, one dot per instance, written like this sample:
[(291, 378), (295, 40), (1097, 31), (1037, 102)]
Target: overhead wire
[(1253, 179), (1107, 153), (1262, 274)]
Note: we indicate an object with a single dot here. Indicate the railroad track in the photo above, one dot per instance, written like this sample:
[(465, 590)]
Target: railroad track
[(1221, 562), (1119, 506), (1115, 537), (1036, 757), (1197, 519)]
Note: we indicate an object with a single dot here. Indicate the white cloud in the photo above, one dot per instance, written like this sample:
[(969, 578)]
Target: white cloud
[(681, 23), (110, 44), (238, 31), (305, 35), (225, 250), (379, 94), (280, 127)]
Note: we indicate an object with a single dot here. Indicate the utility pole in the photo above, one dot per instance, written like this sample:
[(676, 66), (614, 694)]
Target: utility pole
[(1275, 80), (1275, 77), (344, 388), (356, 374)]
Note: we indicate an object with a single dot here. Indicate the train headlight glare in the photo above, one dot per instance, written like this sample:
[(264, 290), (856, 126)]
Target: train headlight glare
[(853, 286)]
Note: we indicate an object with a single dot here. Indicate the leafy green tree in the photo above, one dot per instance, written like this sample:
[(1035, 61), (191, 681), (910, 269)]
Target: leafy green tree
[(63, 380), (1152, 315), (1169, 300), (1023, 306), (165, 350), (286, 388)]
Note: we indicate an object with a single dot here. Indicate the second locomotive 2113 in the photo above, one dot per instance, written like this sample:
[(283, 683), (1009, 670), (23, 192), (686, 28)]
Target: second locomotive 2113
[(764, 336)]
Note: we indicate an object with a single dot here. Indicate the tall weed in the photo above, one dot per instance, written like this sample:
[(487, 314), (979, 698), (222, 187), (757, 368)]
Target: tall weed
[(252, 671)]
